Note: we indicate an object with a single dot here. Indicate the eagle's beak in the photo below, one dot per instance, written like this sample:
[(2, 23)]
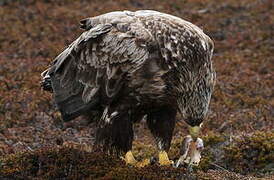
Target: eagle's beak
[(190, 151)]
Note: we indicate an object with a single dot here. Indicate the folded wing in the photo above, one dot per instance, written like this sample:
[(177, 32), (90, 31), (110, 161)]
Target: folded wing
[(96, 65)]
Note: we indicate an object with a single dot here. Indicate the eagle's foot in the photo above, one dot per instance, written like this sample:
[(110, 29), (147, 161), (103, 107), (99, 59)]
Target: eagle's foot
[(130, 160), (164, 160)]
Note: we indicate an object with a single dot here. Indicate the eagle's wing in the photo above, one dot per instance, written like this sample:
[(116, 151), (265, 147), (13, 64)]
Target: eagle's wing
[(100, 58)]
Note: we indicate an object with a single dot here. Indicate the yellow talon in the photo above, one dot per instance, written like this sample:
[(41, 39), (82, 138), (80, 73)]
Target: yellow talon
[(163, 159), (129, 158)]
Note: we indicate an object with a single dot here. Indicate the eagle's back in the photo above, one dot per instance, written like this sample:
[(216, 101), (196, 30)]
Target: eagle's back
[(146, 55)]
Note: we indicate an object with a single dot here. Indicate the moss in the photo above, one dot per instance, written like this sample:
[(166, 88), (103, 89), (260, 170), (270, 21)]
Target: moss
[(246, 154), (212, 139), (71, 163), (253, 153), (213, 143), (174, 151), (220, 175), (57, 163)]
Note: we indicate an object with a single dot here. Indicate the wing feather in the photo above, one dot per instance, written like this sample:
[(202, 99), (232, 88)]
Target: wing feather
[(116, 45), (99, 59)]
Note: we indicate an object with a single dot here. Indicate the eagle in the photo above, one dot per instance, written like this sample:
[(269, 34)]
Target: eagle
[(129, 65)]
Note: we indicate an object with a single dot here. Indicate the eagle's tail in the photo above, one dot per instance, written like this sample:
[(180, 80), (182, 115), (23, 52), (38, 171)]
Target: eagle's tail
[(68, 100)]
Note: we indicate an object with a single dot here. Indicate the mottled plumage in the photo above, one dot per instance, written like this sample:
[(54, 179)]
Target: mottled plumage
[(130, 64)]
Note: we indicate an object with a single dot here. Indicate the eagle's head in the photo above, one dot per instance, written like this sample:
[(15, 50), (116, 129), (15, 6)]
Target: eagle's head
[(193, 107), (193, 104)]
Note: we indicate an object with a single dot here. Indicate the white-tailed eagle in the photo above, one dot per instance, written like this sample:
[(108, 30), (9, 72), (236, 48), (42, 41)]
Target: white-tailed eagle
[(126, 65)]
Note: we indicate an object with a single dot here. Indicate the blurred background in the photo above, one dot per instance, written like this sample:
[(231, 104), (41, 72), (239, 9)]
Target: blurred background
[(34, 32)]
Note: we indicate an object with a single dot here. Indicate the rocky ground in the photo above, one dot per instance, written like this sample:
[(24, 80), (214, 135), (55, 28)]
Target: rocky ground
[(238, 134)]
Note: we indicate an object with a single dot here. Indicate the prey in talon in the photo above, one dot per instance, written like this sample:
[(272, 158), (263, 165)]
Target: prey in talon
[(129, 65)]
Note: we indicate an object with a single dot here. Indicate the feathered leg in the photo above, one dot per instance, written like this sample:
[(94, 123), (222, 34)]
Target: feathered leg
[(115, 133), (161, 124)]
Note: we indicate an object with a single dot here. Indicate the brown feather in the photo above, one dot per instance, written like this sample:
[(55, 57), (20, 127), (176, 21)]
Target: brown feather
[(145, 58)]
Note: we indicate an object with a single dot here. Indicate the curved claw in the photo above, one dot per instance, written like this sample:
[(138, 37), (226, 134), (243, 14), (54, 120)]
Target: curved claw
[(129, 158), (164, 160)]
